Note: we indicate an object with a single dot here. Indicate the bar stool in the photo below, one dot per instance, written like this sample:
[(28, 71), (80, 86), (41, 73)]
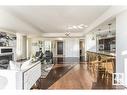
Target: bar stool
[(102, 66), (110, 66), (93, 61)]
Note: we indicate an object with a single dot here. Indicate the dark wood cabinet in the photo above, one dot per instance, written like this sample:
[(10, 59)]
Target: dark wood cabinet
[(106, 43), (101, 41)]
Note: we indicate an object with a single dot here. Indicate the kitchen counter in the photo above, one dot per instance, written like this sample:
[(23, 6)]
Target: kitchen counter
[(108, 53), (103, 57)]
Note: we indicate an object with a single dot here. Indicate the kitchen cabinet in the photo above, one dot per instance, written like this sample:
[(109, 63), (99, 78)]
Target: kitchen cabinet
[(106, 44)]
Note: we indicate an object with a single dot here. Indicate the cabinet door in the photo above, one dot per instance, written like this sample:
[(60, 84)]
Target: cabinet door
[(31, 76), (107, 44), (101, 41)]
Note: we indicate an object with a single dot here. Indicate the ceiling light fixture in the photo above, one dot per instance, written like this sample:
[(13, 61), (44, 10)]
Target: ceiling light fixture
[(75, 27), (109, 27), (99, 32), (80, 27), (85, 26), (67, 34), (60, 38), (93, 38)]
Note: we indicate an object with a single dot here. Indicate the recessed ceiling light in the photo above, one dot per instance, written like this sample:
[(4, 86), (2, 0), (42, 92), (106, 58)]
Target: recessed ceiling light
[(80, 27), (75, 27), (60, 38), (85, 26)]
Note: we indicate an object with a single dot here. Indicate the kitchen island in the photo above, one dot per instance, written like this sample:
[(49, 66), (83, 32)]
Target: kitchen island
[(106, 53), (102, 62)]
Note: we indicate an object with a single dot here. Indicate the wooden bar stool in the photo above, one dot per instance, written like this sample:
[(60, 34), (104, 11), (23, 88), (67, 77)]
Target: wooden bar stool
[(102, 66), (93, 61), (110, 66)]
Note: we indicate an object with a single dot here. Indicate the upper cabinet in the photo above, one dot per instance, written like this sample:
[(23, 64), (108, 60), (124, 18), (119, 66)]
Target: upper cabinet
[(106, 44)]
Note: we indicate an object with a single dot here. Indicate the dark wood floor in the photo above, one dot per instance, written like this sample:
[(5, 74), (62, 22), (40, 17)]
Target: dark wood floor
[(67, 74)]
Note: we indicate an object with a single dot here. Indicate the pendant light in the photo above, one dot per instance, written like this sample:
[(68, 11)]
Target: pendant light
[(109, 28), (93, 38), (98, 32)]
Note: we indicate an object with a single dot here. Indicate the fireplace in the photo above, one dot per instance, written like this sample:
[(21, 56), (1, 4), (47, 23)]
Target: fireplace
[(6, 54), (4, 61)]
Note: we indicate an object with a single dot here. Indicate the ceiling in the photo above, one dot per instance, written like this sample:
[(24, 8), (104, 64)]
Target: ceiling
[(104, 28), (52, 19)]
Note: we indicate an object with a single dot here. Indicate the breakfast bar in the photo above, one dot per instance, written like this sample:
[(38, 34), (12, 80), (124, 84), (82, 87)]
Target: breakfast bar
[(102, 61)]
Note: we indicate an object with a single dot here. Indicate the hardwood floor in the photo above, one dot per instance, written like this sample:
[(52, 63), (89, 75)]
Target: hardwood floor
[(74, 79), (70, 75), (55, 74)]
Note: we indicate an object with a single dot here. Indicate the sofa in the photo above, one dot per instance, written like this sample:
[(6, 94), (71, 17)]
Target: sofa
[(20, 79)]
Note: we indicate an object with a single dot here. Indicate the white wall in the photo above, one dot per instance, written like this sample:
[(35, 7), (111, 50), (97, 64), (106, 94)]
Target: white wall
[(125, 70), (121, 43), (90, 44), (121, 38), (71, 47)]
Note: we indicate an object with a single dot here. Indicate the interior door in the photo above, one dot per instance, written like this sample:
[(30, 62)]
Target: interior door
[(60, 48)]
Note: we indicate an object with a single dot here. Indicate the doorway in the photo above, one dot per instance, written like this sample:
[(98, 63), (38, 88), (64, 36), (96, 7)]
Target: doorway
[(60, 48), (82, 50)]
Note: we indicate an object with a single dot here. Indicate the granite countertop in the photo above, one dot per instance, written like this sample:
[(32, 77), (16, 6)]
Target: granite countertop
[(108, 53)]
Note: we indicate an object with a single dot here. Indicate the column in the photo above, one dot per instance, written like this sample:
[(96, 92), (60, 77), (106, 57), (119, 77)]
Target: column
[(21, 46)]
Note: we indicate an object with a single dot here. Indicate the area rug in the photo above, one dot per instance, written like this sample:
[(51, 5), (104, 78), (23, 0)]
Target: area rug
[(45, 69)]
